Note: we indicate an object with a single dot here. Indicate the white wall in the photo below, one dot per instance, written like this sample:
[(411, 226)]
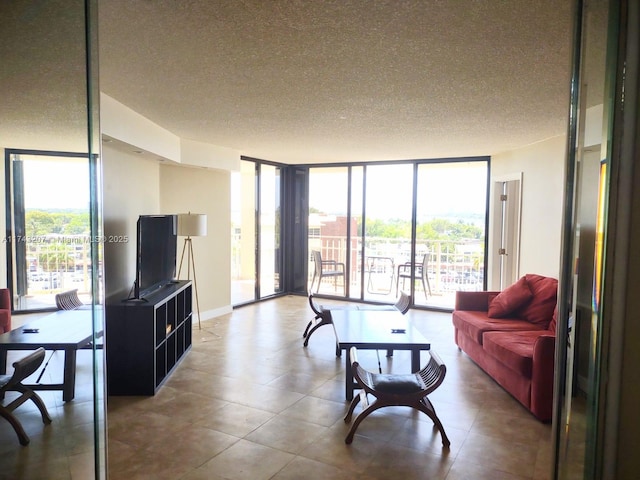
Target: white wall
[(208, 191), (169, 182), (130, 189), (133, 186), (543, 180)]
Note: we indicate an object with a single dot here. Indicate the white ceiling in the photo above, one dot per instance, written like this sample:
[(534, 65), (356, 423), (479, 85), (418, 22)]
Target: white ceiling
[(344, 80)]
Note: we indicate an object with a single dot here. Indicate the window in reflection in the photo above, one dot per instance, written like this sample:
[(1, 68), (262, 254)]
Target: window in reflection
[(49, 225)]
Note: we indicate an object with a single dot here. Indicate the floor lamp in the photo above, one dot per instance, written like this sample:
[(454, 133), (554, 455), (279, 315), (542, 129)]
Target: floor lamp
[(191, 225)]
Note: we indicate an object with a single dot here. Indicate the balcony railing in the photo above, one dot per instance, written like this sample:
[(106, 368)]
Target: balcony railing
[(451, 265)]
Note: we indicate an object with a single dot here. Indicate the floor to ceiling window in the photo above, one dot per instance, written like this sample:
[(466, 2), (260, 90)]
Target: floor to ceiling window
[(255, 232), (451, 210), (387, 230), (243, 233), (269, 231), (412, 226), (328, 229)]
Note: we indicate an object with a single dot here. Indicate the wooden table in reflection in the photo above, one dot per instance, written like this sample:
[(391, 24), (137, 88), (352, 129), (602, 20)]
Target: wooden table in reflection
[(66, 330)]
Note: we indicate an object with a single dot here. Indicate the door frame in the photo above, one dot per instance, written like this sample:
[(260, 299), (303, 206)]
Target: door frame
[(505, 228)]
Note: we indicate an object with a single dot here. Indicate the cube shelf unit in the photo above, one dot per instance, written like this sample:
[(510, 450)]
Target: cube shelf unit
[(147, 339)]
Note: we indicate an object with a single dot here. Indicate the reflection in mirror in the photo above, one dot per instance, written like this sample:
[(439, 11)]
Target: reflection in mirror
[(48, 228), (47, 106), (578, 406)]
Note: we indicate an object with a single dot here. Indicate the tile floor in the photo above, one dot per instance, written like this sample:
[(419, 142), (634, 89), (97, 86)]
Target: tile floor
[(250, 402)]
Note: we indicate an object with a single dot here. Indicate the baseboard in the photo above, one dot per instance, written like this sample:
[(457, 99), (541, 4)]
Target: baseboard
[(213, 313)]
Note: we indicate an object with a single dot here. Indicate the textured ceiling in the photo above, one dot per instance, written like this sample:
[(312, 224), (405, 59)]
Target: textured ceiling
[(329, 81)]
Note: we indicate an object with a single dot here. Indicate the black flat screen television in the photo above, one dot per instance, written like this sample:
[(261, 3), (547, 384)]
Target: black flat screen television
[(157, 242)]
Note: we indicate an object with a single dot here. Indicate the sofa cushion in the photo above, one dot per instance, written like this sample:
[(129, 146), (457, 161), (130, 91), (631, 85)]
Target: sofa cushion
[(397, 383), (545, 297), (475, 324), (513, 349), (510, 299)]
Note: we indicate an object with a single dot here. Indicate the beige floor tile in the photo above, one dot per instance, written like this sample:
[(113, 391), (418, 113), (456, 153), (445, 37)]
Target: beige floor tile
[(287, 434), (249, 401), (499, 454), (465, 470), (247, 460), (237, 420)]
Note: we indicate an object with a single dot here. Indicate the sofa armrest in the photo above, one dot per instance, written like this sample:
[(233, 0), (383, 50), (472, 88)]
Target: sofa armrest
[(542, 376), (5, 299), (5, 310), (5, 321), (477, 301)]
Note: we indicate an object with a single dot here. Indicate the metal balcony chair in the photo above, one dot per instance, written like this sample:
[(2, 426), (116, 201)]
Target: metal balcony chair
[(409, 390), (13, 383), (68, 300), (326, 268), (421, 272)]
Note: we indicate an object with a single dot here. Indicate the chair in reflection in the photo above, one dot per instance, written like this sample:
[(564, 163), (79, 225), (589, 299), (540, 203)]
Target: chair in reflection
[(421, 272), (13, 383), (68, 300), (326, 268), (392, 390)]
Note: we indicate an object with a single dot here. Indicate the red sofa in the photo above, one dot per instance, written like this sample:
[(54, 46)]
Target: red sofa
[(511, 336), (5, 310)]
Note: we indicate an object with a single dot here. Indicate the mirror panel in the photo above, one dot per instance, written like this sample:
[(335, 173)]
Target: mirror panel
[(48, 93)]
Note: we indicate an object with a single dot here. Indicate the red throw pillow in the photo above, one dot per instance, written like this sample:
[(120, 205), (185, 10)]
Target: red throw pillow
[(510, 299), (545, 292)]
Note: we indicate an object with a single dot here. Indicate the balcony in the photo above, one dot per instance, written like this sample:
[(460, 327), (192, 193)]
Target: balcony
[(451, 266)]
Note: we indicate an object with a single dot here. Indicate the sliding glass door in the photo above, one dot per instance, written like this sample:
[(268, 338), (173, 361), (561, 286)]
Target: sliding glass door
[(269, 231), (328, 231), (417, 227), (387, 229), (243, 234), (451, 211), (256, 256)]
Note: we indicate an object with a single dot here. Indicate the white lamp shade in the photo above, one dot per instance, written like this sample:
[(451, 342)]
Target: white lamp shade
[(192, 224)]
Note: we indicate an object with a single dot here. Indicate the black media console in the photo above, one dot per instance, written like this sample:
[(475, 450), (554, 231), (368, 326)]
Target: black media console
[(146, 339)]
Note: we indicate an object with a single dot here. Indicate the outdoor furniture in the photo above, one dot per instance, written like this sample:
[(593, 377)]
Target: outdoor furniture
[(13, 383), (326, 268), (389, 390), (420, 272), (68, 300), (380, 266)]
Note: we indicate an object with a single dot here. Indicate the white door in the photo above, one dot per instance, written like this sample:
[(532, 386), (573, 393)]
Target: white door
[(505, 245)]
